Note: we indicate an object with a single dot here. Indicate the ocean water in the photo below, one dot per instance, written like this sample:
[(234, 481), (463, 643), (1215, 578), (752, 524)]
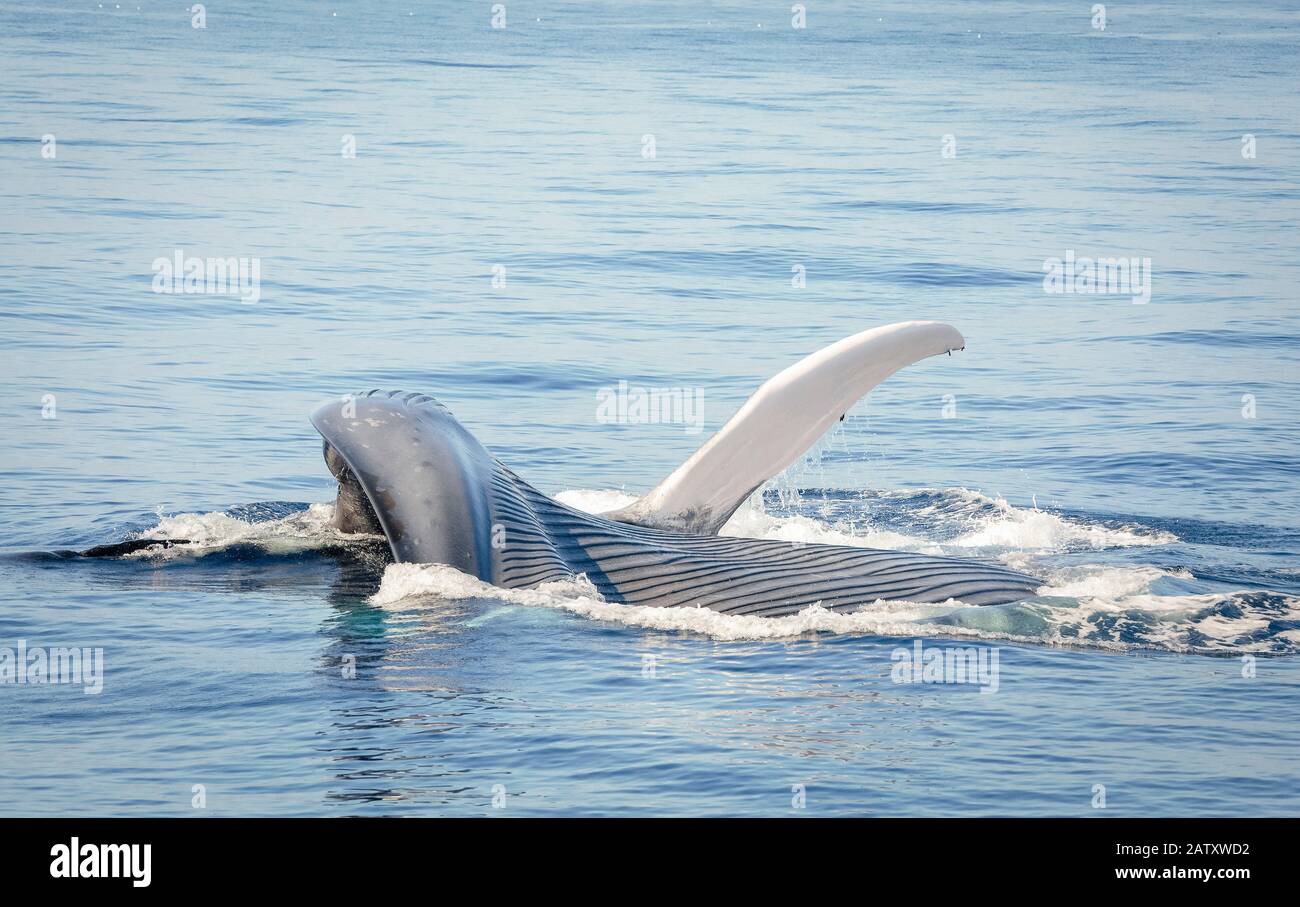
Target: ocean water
[(675, 195)]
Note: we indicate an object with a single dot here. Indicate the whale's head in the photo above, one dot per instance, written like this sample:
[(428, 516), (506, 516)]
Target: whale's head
[(407, 468)]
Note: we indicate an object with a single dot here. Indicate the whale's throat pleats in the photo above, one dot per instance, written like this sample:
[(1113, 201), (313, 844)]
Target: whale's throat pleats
[(643, 566), (440, 497)]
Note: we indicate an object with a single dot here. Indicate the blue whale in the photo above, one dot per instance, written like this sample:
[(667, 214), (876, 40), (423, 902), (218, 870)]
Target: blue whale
[(408, 469)]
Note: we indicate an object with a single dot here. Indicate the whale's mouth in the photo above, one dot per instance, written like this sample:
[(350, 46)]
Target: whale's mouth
[(409, 470), (353, 512)]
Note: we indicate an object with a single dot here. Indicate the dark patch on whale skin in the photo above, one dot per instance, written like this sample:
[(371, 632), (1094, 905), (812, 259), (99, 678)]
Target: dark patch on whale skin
[(120, 549)]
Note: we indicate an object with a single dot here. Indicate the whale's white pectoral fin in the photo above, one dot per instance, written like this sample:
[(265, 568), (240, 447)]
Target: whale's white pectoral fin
[(783, 419)]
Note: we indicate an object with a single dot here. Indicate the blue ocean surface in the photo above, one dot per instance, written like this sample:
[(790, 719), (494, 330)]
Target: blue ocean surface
[(674, 195)]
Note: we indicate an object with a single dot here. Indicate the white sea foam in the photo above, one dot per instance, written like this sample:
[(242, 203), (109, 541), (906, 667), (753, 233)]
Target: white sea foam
[(1105, 583), (208, 532), (982, 521), (411, 587), (1020, 528), (751, 521), (405, 584)]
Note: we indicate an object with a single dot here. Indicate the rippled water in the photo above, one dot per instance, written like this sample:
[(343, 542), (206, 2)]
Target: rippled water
[(1142, 459)]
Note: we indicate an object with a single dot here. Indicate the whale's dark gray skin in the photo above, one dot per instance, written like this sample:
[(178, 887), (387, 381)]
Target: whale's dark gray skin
[(121, 549), (406, 465)]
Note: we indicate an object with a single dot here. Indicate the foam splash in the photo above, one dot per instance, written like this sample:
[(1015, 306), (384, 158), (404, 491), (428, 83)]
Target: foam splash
[(1105, 584), (303, 530), (1014, 527), (1214, 624), (405, 585), (980, 521), (754, 522)]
